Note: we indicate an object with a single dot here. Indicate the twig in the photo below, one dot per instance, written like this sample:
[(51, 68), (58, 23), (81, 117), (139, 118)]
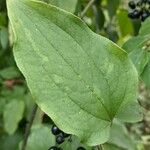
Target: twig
[(28, 127), (87, 8), (98, 147)]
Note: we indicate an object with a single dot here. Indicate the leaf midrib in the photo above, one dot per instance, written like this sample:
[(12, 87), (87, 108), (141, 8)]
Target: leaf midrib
[(69, 64)]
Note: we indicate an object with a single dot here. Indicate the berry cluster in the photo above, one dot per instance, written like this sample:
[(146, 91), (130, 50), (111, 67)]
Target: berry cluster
[(140, 10), (60, 138)]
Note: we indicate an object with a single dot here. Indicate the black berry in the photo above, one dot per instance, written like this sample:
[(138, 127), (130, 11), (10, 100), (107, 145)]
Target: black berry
[(136, 14), (131, 15), (132, 4), (60, 139), (144, 16), (55, 130), (81, 148), (53, 148)]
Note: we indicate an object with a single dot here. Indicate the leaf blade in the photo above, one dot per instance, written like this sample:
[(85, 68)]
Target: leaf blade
[(71, 69)]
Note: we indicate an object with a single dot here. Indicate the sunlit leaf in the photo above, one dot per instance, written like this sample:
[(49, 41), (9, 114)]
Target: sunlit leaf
[(80, 79)]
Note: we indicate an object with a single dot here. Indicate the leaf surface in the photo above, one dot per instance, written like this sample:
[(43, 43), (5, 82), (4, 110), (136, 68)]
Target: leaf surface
[(80, 79), (139, 51), (13, 113), (40, 138)]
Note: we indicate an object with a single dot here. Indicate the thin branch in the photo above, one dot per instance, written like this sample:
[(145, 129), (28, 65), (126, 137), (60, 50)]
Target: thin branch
[(98, 147), (87, 8), (28, 126)]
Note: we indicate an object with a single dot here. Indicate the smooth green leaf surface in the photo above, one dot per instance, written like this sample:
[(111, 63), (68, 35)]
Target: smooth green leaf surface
[(80, 79), (69, 5), (13, 113), (40, 138)]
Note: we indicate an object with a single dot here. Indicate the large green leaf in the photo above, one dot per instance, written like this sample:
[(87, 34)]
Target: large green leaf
[(80, 79), (69, 5)]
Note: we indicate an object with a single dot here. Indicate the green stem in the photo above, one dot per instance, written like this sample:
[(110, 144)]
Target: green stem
[(28, 126), (98, 147), (87, 8)]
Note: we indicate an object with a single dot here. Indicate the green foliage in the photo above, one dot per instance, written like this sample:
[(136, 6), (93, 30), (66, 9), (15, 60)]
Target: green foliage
[(80, 79), (68, 66), (139, 48), (10, 142), (123, 19), (40, 138), (69, 5), (9, 73), (113, 6), (16, 109), (122, 140)]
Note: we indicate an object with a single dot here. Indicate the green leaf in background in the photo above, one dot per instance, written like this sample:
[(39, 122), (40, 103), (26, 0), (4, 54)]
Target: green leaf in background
[(13, 113), (3, 19), (146, 75), (122, 16), (138, 53), (80, 79), (73, 144), (138, 48), (145, 29), (2, 105), (120, 137), (8, 142), (4, 37), (112, 7), (40, 138), (9, 73)]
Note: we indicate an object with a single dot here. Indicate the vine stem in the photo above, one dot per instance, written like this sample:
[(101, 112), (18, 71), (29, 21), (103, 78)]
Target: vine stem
[(28, 126), (87, 8), (98, 147)]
